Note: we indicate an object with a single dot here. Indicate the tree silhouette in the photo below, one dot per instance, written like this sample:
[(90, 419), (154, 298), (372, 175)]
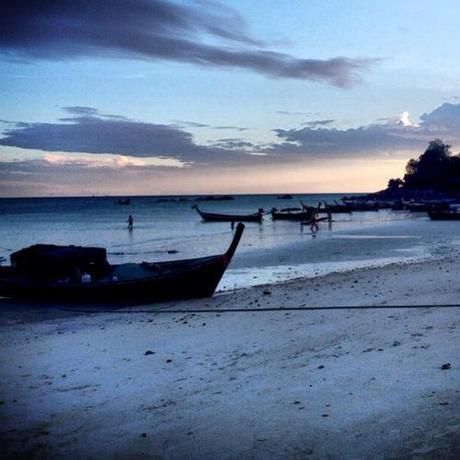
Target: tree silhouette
[(395, 184), (436, 169)]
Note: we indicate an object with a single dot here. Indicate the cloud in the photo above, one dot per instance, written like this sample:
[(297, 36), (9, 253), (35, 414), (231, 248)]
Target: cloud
[(316, 123), (81, 110), (194, 124), (355, 142), (287, 112), (109, 161), (120, 154), (236, 128), (61, 175), (205, 34), (444, 118), (391, 135), (86, 131), (189, 124), (403, 119), (231, 143), (91, 132)]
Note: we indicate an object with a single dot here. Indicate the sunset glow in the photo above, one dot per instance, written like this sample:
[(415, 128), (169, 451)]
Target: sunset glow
[(221, 97)]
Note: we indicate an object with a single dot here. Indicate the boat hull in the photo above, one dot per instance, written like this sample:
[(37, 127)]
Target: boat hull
[(230, 218), (128, 283), (200, 280), (216, 217)]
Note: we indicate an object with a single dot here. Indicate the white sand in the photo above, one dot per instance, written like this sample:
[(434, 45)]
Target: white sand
[(307, 384)]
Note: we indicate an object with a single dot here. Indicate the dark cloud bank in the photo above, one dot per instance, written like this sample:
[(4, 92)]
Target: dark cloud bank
[(207, 34), (85, 130)]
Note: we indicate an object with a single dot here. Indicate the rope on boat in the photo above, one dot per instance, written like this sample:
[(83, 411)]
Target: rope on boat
[(262, 309)]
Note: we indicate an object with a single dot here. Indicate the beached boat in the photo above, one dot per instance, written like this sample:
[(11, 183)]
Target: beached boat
[(75, 274), (215, 217)]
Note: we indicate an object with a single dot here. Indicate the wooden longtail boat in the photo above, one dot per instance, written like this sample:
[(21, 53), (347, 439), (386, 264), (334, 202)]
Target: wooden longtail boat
[(328, 208), (128, 283), (291, 214), (215, 217)]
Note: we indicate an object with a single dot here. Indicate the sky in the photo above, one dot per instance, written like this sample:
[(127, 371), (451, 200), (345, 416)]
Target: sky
[(185, 97)]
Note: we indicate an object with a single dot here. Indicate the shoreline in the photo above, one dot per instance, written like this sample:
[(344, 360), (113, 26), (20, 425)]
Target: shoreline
[(308, 384), (289, 273)]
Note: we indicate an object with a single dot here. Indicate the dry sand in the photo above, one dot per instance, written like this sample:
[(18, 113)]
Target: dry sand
[(300, 384)]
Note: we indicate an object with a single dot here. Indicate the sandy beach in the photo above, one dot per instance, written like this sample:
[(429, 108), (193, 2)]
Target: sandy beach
[(296, 165), (343, 383)]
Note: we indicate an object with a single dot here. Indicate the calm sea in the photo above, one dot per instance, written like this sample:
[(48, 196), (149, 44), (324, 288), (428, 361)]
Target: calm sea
[(167, 228)]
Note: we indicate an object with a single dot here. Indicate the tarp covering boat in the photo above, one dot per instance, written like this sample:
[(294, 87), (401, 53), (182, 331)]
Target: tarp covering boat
[(48, 261)]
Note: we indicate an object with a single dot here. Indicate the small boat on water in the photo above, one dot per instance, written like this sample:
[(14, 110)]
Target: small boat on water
[(215, 217), (215, 198), (292, 214), (124, 201), (80, 274), (361, 206), (330, 208)]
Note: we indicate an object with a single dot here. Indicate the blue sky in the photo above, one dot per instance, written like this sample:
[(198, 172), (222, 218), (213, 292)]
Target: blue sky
[(226, 97)]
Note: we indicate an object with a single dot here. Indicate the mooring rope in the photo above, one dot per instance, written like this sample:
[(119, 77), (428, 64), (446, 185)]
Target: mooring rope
[(260, 310)]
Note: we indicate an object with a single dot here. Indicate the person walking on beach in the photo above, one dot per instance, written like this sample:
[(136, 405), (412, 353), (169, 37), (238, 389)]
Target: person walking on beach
[(130, 222), (313, 218), (314, 227)]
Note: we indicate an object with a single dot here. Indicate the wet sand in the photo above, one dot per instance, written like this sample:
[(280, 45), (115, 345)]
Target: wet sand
[(279, 384)]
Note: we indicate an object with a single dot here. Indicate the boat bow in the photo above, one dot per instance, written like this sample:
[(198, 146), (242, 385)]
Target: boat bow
[(234, 244)]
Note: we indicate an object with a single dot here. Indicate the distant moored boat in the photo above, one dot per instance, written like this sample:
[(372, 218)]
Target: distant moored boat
[(444, 215), (292, 214), (216, 217)]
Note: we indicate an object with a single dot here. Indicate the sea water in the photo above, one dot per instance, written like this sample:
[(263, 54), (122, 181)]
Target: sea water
[(167, 228)]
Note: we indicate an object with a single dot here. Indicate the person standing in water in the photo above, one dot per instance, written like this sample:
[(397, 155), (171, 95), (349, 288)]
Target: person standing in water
[(130, 222)]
